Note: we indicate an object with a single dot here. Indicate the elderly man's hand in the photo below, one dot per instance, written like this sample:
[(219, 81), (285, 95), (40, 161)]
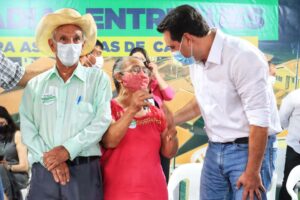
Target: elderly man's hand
[(61, 173), (55, 157)]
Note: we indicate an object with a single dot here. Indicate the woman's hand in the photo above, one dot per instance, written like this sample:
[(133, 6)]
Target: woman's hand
[(139, 100), (153, 67), (5, 165)]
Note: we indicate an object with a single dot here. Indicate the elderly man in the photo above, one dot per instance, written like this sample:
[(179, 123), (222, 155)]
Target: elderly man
[(231, 93), (65, 111)]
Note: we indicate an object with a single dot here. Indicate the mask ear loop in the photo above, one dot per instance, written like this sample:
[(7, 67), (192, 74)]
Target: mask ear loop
[(180, 44), (192, 51)]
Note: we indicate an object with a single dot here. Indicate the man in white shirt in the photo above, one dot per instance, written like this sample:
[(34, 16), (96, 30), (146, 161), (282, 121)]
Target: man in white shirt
[(232, 95), (290, 117)]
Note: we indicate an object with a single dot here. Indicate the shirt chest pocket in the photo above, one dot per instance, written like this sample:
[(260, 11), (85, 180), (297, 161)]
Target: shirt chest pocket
[(85, 113), (85, 109)]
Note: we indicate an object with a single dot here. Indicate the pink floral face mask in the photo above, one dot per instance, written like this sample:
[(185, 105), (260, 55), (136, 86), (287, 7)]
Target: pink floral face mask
[(135, 82)]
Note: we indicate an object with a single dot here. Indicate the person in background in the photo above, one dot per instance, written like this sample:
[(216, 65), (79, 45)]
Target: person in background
[(65, 112), (94, 58), (130, 161), (290, 119), (97, 53), (13, 163), (13, 74), (272, 70), (229, 76), (160, 91)]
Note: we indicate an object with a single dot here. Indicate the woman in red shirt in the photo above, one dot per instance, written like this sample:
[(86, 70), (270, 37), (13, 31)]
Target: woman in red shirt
[(132, 144)]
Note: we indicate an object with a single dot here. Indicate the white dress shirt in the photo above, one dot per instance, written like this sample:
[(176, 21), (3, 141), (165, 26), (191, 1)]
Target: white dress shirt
[(232, 90), (290, 118)]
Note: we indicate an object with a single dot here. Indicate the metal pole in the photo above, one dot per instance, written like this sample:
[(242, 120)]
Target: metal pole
[(297, 67)]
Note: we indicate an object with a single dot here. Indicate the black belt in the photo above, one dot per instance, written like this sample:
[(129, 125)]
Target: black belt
[(243, 140), (82, 160)]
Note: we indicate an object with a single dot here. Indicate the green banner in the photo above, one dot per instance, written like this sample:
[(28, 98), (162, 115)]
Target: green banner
[(140, 18)]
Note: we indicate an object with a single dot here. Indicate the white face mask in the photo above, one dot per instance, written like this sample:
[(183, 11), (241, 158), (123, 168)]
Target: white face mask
[(68, 54), (272, 80), (99, 62)]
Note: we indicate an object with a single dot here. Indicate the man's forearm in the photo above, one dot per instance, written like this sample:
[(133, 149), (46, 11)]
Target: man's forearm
[(188, 112), (257, 144), (29, 74)]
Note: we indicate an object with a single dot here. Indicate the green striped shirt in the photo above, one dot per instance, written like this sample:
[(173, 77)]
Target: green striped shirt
[(75, 113)]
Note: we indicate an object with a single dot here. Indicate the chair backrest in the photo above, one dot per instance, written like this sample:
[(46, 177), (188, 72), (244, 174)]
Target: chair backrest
[(191, 172), (292, 180), (198, 156), (271, 194)]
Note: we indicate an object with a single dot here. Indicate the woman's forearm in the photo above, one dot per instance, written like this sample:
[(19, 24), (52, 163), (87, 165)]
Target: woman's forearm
[(117, 130)]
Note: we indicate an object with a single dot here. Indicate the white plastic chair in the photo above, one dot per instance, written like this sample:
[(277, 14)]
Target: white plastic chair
[(198, 156), (25, 191), (291, 182), (271, 194), (191, 172)]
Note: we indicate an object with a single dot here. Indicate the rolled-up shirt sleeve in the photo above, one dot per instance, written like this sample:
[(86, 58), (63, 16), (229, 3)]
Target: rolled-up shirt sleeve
[(10, 73), (250, 73)]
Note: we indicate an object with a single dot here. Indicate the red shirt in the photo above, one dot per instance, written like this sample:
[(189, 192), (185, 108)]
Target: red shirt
[(132, 170)]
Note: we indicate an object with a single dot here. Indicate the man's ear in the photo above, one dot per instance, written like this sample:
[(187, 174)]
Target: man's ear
[(188, 37), (52, 45)]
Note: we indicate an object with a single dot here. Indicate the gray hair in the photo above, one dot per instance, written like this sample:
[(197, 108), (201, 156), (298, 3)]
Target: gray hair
[(119, 65)]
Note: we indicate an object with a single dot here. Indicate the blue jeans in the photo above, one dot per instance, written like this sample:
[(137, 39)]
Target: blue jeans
[(225, 163)]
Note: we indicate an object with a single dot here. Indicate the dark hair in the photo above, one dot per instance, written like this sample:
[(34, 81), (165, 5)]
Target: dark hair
[(142, 51), (9, 132), (98, 43), (183, 19)]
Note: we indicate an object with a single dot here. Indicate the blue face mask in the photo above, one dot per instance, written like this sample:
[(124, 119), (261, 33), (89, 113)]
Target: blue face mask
[(181, 58)]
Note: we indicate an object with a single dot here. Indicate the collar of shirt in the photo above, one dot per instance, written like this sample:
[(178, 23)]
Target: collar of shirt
[(215, 53), (79, 72)]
